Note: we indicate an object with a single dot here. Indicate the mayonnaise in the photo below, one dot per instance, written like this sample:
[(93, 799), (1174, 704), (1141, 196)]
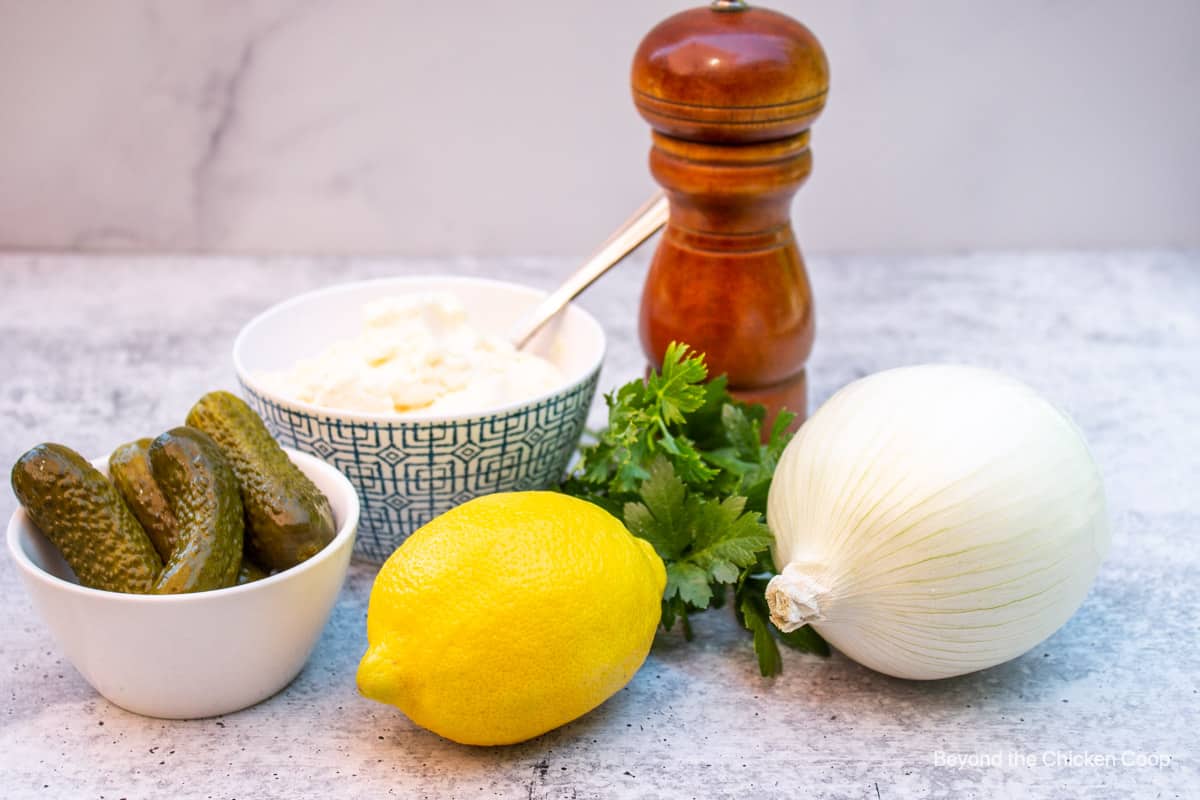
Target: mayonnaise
[(416, 353)]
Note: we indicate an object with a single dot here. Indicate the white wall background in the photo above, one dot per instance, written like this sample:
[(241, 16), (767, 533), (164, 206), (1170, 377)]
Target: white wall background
[(506, 128)]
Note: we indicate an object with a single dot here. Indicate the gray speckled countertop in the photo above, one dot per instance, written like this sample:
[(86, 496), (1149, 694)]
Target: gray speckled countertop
[(97, 351)]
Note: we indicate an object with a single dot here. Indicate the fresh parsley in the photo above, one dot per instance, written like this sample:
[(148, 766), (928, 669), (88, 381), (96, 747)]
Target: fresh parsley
[(683, 464)]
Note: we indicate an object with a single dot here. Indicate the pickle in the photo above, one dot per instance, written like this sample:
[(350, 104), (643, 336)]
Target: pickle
[(288, 519), (129, 470), (250, 572), (83, 514), (203, 495)]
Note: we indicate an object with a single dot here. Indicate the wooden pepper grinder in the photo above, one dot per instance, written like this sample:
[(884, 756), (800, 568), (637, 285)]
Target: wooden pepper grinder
[(730, 92)]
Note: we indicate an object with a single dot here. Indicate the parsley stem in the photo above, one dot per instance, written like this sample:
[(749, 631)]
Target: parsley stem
[(662, 426)]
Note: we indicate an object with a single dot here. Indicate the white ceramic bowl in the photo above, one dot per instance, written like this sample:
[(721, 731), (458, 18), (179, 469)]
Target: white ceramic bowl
[(410, 468), (191, 655)]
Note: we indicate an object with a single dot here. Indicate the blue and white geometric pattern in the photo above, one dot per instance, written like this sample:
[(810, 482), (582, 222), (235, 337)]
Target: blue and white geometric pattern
[(407, 473)]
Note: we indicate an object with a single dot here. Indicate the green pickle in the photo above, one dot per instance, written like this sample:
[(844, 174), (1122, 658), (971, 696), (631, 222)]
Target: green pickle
[(203, 495), (288, 519), (129, 470), (250, 572), (83, 514)]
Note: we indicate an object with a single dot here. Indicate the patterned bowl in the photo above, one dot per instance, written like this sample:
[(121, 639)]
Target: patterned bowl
[(407, 469)]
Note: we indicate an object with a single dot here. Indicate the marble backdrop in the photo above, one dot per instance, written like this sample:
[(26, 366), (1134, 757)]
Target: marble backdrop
[(497, 128)]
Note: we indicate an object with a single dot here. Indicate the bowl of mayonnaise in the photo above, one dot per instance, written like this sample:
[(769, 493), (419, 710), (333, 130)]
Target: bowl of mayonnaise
[(410, 387)]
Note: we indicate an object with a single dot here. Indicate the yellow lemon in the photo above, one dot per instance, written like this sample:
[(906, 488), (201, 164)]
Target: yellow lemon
[(509, 616)]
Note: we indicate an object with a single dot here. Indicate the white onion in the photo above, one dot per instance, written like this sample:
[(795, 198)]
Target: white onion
[(935, 520)]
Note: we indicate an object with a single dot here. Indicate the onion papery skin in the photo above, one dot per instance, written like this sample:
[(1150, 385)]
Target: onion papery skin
[(935, 520)]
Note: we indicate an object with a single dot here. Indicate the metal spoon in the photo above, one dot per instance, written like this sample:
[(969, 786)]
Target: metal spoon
[(635, 230)]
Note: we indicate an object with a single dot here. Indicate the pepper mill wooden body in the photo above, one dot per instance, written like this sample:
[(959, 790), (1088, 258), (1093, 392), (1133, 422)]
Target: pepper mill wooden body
[(730, 92)]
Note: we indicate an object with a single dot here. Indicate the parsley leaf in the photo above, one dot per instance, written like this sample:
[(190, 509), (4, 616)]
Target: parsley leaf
[(676, 387), (806, 640), (683, 464), (769, 661), (660, 518), (689, 583), (704, 542)]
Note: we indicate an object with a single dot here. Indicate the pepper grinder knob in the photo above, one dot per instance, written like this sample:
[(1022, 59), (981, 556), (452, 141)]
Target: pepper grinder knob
[(730, 92)]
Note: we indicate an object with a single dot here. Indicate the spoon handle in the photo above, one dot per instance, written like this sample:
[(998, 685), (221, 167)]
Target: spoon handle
[(635, 230)]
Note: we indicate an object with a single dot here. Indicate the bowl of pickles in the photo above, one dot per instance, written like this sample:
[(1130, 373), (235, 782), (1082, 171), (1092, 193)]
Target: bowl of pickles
[(190, 574)]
